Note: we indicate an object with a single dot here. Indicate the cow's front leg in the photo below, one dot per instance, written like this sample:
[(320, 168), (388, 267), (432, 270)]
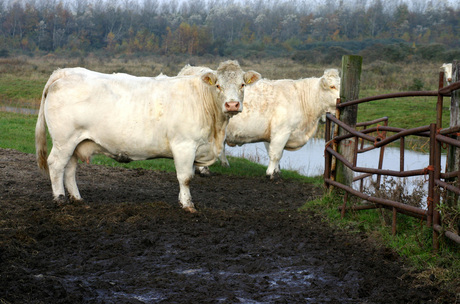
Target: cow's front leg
[(183, 160)]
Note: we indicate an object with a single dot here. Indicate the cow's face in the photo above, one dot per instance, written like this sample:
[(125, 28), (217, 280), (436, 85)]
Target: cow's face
[(229, 82), (447, 68), (330, 85)]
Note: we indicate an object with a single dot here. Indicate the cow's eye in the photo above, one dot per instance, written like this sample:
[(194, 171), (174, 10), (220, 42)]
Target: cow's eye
[(218, 87), (332, 87), (242, 85)]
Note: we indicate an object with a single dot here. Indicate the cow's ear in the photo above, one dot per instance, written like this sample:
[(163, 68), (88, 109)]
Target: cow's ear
[(324, 83), (209, 78), (251, 77)]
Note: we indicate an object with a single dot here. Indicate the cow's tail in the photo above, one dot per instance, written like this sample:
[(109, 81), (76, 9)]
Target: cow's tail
[(40, 135), (40, 128)]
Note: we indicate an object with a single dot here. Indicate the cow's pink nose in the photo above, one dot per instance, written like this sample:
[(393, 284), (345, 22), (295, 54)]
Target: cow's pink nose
[(232, 106)]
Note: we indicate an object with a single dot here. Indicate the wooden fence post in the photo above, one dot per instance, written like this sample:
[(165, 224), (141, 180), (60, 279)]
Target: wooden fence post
[(349, 90), (453, 154)]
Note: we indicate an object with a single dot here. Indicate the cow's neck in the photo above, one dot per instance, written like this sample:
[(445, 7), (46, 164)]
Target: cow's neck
[(215, 119), (310, 100)]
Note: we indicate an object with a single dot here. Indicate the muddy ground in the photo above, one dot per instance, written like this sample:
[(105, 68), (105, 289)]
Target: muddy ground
[(133, 244)]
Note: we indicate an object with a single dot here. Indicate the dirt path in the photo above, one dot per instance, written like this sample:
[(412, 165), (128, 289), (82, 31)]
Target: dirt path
[(248, 244)]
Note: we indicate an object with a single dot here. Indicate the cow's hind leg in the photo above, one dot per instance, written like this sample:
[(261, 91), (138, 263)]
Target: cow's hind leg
[(275, 152), (70, 179), (185, 171), (57, 162), (223, 158)]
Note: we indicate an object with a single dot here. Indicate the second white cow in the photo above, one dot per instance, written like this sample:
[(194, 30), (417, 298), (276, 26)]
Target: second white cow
[(447, 69), (283, 114)]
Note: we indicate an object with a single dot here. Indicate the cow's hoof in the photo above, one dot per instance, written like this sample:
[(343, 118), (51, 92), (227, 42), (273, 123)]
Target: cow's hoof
[(60, 200), (225, 164), (274, 177), (205, 173), (78, 202), (190, 209)]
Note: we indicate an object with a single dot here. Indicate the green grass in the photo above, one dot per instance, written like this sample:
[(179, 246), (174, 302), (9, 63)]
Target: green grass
[(17, 131), (21, 89), (406, 113), (413, 240)]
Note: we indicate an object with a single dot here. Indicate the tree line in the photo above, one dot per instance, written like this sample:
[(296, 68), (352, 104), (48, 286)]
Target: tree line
[(228, 27)]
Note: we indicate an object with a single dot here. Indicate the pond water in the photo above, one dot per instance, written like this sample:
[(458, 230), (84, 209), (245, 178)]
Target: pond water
[(309, 160), (5, 108)]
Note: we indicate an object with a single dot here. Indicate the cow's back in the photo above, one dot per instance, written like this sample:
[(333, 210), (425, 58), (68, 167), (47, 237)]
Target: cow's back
[(122, 113)]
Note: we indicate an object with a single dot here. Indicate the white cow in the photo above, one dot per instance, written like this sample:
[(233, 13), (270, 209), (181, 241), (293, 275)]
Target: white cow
[(135, 118), (447, 69), (283, 114)]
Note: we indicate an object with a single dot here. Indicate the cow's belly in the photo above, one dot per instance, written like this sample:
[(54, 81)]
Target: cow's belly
[(299, 138), (295, 145), (153, 144), (206, 154), (120, 153), (120, 140), (249, 130)]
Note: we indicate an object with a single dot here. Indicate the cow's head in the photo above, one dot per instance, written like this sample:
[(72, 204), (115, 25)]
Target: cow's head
[(447, 68), (330, 87), (229, 81), (330, 91)]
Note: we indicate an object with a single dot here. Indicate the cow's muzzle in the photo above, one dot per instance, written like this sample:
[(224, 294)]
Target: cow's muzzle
[(232, 107)]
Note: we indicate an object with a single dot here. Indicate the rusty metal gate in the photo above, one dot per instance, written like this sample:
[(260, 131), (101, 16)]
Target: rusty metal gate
[(436, 180)]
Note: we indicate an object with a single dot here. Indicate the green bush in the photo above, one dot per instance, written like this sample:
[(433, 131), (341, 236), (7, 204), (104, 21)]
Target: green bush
[(4, 53), (431, 51), (450, 55), (381, 67), (334, 55), (387, 52), (417, 85)]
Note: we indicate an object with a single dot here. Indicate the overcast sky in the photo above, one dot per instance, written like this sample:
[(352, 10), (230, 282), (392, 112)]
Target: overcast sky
[(417, 5), (412, 4)]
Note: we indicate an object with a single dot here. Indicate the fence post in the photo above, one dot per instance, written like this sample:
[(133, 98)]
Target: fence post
[(453, 154), (349, 90)]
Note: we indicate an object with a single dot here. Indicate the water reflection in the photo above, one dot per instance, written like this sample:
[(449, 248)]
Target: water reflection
[(28, 111), (309, 160)]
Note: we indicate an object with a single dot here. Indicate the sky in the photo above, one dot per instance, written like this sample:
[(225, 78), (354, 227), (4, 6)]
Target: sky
[(412, 4)]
